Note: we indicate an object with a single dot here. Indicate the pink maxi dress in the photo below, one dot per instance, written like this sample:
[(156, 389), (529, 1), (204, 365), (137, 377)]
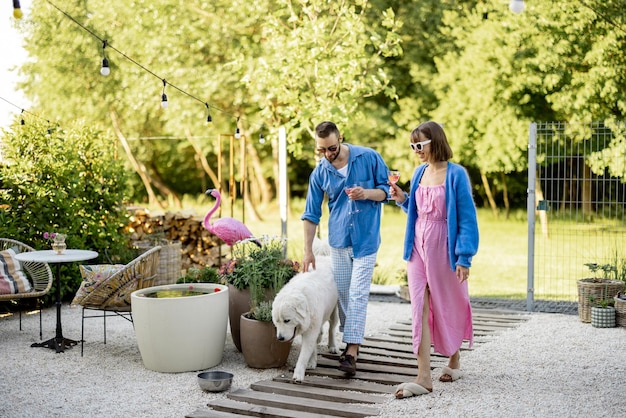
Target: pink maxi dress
[(450, 317)]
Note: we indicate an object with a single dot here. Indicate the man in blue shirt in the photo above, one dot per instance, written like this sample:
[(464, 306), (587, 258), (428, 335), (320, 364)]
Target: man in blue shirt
[(355, 180)]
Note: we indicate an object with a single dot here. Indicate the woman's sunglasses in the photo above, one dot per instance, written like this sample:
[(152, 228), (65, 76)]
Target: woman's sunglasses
[(418, 146)]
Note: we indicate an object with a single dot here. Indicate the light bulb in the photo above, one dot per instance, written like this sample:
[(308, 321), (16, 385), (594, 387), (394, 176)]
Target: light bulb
[(164, 101), (517, 6), (261, 138), (17, 9), (237, 133), (105, 70), (209, 118)]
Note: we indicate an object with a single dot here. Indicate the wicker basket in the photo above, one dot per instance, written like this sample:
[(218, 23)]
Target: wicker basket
[(620, 311), (599, 291), (170, 262)]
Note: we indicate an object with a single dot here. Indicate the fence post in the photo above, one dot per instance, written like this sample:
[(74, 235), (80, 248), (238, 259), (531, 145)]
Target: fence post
[(530, 208)]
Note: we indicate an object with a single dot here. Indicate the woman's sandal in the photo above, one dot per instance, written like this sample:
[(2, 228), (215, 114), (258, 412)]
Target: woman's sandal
[(450, 375), (407, 390)]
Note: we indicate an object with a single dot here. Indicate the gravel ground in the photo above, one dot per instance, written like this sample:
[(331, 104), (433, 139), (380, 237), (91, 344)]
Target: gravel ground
[(550, 366)]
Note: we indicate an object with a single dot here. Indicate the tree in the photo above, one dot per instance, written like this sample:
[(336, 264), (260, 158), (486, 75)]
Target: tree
[(63, 180), (233, 53)]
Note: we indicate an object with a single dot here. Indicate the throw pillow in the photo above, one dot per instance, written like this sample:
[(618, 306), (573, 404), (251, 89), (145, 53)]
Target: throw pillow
[(12, 278), (93, 277)]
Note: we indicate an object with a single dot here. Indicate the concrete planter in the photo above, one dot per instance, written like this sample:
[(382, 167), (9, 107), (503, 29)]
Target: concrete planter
[(180, 333), (259, 345)]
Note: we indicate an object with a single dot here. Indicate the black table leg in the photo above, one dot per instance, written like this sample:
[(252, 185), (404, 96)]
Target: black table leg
[(58, 343)]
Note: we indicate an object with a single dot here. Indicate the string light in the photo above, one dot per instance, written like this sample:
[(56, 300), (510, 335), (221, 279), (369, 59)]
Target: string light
[(164, 96), (209, 119), (104, 70), (23, 112), (517, 6), (261, 136), (237, 131), (17, 9)]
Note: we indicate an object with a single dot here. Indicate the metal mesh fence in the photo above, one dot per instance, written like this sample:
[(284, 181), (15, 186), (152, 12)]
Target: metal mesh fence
[(576, 206)]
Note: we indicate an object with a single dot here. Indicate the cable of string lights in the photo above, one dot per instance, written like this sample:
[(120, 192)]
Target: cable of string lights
[(105, 70)]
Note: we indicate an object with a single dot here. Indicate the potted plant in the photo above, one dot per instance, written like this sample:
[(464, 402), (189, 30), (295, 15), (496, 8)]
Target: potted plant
[(602, 312), (254, 275), (205, 274), (597, 288), (620, 299)]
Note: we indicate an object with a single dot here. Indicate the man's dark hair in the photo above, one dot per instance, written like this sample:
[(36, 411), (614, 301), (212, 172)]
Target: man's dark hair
[(324, 129)]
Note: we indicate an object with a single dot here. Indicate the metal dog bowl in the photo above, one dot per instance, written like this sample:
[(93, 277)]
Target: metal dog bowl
[(215, 381)]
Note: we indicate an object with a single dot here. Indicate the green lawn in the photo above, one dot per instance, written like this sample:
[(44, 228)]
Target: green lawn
[(499, 270)]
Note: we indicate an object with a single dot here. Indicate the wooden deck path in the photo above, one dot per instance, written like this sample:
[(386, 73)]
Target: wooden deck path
[(384, 362)]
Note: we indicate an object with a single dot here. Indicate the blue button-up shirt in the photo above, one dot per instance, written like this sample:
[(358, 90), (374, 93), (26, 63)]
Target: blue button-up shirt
[(361, 230)]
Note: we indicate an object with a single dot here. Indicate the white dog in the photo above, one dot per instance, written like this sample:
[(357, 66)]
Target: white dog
[(302, 307)]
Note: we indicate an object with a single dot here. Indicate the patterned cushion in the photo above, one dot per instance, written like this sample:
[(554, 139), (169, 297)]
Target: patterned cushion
[(93, 278), (12, 278)]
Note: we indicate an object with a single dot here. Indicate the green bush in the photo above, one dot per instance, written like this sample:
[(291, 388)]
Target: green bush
[(64, 181), (205, 274)]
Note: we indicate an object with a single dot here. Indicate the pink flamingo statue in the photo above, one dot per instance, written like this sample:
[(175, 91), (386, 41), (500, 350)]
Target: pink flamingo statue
[(229, 230)]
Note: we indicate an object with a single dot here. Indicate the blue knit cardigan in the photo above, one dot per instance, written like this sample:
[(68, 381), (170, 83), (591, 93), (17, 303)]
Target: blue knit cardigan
[(461, 213)]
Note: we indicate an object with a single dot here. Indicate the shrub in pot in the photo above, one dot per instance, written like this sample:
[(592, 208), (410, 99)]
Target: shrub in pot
[(602, 313), (254, 275), (599, 288)]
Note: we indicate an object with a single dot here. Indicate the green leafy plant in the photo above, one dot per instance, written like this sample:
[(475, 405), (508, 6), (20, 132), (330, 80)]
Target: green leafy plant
[(606, 269), (601, 302), (618, 262), (205, 274), (262, 312), (264, 270), (70, 180)]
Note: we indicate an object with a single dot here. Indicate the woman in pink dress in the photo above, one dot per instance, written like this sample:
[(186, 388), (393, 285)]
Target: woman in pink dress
[(441, 239)]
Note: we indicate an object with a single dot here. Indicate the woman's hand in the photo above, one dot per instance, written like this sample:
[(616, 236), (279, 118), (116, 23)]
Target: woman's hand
[(462, 273), (396, 193)]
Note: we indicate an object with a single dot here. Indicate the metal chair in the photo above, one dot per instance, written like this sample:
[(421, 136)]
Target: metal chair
[(113, 294), (39, 274)]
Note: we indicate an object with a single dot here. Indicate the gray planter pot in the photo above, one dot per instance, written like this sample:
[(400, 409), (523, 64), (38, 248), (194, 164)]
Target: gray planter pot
[(603, 317)]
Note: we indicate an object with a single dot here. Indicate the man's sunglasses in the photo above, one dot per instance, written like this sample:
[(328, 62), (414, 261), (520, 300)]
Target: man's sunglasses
[(418, 146), (329, 149)]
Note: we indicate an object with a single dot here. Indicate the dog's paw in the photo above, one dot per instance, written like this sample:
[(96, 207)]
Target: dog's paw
[(312, 364), (297, 378), (333, 350)]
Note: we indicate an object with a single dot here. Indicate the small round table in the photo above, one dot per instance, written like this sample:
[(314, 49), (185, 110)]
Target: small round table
[(58, 343)]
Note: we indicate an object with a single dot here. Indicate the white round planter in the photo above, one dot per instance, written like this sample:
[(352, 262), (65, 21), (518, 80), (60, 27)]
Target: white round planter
[(181, 334)]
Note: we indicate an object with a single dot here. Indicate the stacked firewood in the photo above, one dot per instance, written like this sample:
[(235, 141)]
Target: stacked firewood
[(198, 247)]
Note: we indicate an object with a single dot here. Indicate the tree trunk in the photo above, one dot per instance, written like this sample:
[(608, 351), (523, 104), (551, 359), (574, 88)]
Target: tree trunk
[(158, 182), (586, 191), (505, 196), (205, 164), (492, 202), (138, 167)]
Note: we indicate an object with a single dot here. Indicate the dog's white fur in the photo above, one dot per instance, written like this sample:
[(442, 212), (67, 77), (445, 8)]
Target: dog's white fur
[(303, 306)]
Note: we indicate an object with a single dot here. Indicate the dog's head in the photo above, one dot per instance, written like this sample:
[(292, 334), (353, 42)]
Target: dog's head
[(290, 316)]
